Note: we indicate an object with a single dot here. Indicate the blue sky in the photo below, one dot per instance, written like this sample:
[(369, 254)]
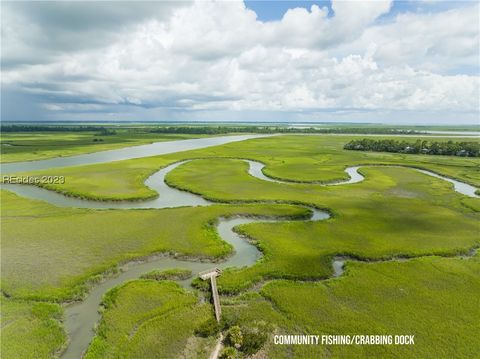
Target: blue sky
[(274, 10), (376, 61)]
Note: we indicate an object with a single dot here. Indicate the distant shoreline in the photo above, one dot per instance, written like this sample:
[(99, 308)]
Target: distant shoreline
[(306, 124)]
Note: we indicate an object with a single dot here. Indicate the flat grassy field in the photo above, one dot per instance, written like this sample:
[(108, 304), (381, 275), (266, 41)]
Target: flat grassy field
[(122, 180), (149, 319), (168, 274), (433, 298), (30, 146), (296, 158), (396, 212), (52, 254), (31, 329)]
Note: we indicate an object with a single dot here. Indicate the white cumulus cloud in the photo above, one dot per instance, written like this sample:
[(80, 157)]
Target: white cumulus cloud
[(216, 56)]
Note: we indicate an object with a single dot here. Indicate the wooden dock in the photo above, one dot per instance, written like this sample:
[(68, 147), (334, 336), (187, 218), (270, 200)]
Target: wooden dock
[(212, 274)]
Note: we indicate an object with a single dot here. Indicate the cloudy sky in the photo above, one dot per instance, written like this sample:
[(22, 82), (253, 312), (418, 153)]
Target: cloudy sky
[(357, 61)]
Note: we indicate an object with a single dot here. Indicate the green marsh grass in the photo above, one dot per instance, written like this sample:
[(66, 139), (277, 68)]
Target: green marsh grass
[(395, 212), (28, 146), (148, 319), (30, 330), (435, 299), (51, 253), (295, 158), (168, 274)]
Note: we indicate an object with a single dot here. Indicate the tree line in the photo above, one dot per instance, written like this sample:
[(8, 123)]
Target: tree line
[(102, 131), (44, 128), (210, 130), (449, 148), (216, 130)]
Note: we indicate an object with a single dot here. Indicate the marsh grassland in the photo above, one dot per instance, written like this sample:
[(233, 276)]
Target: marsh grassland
[(294, 158), (88, 242), (30, 146), (408, 239), (149, 319)]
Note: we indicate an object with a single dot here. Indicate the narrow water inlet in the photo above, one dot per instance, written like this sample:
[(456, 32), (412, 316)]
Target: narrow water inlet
[(82, 317), (338, 264), (256, 170), (126, 153)]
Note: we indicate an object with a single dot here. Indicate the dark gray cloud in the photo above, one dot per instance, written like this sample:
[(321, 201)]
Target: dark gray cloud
[(35, 31), (85, 15), (17, 105)]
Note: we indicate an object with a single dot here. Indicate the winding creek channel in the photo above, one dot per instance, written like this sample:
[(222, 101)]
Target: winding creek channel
[(256, 170), (82, 317)]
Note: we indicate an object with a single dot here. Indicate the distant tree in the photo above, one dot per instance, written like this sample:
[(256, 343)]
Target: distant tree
[(106, 132), (208, 130), (49, 128), (212, 130), (450, 148)]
